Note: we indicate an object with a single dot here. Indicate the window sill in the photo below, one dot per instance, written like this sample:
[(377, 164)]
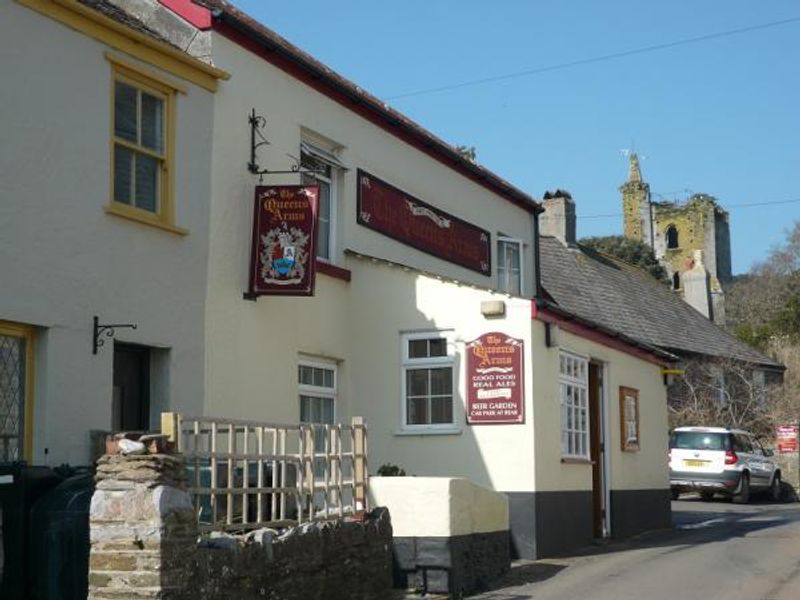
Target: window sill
[(423, 432), (330, 270), (140, 216), (571, 460)]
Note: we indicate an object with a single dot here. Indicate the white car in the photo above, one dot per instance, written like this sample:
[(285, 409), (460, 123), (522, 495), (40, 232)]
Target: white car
[(717, 460)]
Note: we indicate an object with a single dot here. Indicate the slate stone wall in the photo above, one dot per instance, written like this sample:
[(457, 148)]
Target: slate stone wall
[(144, 544)]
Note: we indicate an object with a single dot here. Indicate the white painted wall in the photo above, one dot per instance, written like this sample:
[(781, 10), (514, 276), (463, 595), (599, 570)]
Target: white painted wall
[(63, 259), (439, 506)]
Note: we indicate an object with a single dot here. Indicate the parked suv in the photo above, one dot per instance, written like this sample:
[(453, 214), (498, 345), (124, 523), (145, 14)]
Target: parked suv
[(716, 460)]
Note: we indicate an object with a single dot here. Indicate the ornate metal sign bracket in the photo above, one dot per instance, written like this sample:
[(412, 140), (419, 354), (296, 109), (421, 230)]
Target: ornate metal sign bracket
[(257, 139), (106, 329)]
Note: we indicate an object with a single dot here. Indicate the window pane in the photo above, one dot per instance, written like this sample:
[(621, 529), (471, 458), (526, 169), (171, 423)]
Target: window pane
[(327, 410), (146, 188), (152, 122), (441, 381), (438, 347), (123, 170), (306, 375), (442, 410), (417, 382), (125, 111), (417, 411), (418, 348), (328, 379), (305, 409), (324, 233)]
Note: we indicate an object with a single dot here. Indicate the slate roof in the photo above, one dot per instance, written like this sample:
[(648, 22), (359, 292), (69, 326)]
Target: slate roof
[(623, 298)]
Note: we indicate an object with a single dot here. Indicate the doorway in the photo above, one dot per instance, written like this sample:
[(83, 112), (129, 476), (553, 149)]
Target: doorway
[(597, 444), (130, 403)]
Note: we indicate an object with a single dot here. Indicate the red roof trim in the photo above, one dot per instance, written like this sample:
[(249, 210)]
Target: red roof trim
[(594, 335), (199, 16), (306, 69)]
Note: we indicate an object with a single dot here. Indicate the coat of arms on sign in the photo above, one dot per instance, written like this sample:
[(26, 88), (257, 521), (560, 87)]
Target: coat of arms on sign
[(284, 255)]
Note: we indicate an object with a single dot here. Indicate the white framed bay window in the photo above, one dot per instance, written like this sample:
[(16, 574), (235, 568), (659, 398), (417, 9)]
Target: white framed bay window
[(428, 381), (509, 265), (574, 392)]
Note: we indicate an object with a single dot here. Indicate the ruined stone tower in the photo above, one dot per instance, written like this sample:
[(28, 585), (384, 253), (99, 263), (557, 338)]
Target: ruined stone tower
[(690, 239)]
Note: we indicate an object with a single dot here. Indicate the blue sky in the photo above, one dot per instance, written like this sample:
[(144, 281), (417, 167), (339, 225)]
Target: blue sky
[(720, 116)]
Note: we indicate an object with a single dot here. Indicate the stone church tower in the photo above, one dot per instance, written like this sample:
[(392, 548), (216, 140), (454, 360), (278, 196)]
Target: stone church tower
[(690, 239)]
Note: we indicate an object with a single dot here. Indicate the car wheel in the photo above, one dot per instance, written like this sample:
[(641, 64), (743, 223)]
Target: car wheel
[(743, 495), (775, 488), (706, 496)]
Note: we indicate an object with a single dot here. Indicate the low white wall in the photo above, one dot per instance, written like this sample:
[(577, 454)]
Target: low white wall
[(439, 506)]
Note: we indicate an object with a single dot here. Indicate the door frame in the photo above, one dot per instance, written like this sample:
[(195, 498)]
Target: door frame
[(602, 413)]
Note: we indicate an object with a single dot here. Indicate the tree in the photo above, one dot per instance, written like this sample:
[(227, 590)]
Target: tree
[(468, 152), (631, 251), (765, 303)]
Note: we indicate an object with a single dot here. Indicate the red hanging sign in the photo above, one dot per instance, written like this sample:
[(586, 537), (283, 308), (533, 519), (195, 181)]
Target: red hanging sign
[(495, 380), (394, 213), (284, 250), (786, 438)]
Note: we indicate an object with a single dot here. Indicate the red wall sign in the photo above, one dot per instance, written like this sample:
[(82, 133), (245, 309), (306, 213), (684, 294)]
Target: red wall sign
[(394, 213), (284, 250), (495, 380), (786, 437)]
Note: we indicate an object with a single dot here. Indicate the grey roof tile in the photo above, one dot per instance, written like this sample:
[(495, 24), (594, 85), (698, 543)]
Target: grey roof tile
[(621, 297)]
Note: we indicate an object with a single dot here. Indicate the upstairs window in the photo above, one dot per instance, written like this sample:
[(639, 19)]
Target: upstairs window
[(509, 265), (428, 381), (142, 142), (327, 172), (672, 237), (676, 281)]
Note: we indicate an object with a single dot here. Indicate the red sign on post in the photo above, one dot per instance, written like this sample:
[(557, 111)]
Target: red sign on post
[(786, 437), (394, 213), (283, 254), (495, 380)]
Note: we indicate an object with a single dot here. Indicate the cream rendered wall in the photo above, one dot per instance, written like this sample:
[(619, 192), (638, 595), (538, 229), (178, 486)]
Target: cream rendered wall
[(253, 347), (63, 259), (387, 301), (645, 469)]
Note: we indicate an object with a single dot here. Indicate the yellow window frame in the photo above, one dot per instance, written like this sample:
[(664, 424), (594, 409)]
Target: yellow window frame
[(26, 332), (145, 81)]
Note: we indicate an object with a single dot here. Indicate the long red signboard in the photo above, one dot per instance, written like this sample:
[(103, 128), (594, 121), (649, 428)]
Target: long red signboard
[(394, 213), (786, 438), (283, 254), (495, 380)]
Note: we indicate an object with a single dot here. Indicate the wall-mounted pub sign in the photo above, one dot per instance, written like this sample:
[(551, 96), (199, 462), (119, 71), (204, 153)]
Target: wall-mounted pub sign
[(283, 255), (495, 380), (786, 437), (394, 213)]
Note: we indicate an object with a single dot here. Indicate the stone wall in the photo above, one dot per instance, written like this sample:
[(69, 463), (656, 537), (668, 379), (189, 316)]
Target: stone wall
[(145, 544), (790, 471)]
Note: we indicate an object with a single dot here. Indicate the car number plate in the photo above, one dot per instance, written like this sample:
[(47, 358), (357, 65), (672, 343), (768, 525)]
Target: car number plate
[(695, 463)]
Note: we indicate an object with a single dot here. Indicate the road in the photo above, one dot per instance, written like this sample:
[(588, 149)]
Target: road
[(716, 550)]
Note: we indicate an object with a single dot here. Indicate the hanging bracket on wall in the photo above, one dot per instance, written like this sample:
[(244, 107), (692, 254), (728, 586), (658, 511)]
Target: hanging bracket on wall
[(100, 329), (257, 139)]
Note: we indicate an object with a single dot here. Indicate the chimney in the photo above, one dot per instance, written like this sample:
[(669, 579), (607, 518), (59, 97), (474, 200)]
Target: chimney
[(558, 219), (695, 283)]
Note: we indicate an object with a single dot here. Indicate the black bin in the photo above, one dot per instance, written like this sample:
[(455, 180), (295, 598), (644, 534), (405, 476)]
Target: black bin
[(20, 487)]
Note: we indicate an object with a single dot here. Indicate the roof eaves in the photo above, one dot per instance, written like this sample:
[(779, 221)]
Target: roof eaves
[(225, 14)]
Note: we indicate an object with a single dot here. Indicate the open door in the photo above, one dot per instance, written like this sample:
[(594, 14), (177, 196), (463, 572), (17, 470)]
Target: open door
[(598, 448)]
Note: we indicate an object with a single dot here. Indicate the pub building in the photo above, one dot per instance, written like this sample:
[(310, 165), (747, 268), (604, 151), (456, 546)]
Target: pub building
[(423, 316), (309, 254)]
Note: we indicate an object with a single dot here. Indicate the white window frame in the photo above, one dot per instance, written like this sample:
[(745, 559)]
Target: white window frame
[(449, 360), (579, 384), (329, 159), (304, 389), (502, 239)]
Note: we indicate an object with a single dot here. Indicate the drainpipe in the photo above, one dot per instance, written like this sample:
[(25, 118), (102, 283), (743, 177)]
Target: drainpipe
[(537, 273)]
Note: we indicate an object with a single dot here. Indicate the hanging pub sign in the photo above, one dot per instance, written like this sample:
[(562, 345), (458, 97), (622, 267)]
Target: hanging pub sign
[(495, 380), (283, 253), (394, 213), (786, 438)]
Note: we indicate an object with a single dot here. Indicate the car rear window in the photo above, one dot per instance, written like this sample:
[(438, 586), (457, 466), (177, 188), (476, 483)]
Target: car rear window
[(699, 440)]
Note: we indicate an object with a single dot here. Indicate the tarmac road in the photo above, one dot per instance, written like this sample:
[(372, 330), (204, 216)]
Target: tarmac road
[(716, 550)]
